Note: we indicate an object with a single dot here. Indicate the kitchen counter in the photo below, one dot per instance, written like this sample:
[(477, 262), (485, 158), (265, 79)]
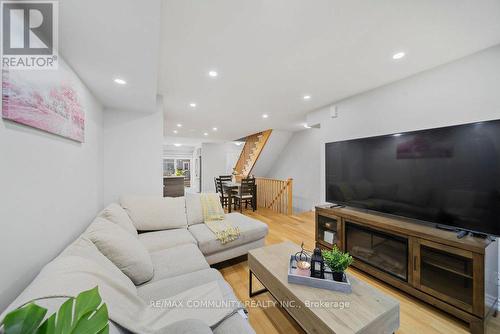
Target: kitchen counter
[(173, 186)]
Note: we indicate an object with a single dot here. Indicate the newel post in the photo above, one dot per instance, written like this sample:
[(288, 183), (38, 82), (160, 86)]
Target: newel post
[(290, 197)]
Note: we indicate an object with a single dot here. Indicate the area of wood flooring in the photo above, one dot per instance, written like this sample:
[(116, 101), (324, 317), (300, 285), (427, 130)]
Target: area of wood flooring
[(265, 317)]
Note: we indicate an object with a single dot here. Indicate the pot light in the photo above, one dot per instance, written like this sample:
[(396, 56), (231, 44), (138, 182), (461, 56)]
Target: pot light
[(179, 125), (214, 129), (265, 116), (397, 134), (120, 81), (205, 133), (307, 97), (177, 145), (192, 105), (175, 131), (213, 74), (398, 55)]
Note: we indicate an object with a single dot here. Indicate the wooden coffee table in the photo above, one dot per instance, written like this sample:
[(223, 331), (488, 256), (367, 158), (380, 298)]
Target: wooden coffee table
[(365, 310)]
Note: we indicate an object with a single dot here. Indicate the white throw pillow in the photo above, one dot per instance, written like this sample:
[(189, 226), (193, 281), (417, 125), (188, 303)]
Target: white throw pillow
[(151, 213), (116, 214), (121, 248)]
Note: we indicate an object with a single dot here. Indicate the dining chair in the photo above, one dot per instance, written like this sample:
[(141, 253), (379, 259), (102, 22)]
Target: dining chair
[(246, 194), (223, 195), (226, 178)]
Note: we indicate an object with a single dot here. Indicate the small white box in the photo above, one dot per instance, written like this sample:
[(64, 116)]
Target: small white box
[(328, 237)]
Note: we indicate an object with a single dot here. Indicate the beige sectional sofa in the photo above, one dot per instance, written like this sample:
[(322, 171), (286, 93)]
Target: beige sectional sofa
[(156, 248)]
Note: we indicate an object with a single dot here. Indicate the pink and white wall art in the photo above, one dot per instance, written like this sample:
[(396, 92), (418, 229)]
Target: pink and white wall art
[(44, 99)]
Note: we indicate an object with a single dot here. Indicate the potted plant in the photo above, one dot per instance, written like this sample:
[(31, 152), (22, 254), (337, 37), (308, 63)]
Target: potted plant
[(338, 262)]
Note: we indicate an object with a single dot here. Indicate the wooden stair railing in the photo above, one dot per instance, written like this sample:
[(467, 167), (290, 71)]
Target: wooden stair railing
[(275, 194), (254, 144)]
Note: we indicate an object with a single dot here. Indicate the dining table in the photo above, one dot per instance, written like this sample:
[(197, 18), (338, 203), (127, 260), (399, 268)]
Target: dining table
[(229, 187)]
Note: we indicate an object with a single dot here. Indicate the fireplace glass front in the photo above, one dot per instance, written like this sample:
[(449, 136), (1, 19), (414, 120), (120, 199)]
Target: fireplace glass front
[(386, 252)]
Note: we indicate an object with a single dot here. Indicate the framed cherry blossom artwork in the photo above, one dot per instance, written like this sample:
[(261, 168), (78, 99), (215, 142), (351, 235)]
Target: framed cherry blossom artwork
[(45, 99)]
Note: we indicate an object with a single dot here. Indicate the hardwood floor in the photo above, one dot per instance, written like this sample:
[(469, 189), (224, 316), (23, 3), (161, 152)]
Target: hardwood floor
[(265, 317)]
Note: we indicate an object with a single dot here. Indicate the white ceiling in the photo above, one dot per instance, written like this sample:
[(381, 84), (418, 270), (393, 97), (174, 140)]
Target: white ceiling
[(188, 141), (102, 40), (271, 53)]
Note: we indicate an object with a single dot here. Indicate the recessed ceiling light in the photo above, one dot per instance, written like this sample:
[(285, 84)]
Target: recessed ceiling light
[(177, 145), (306, 126), (265, 116), (120, 81), (213, 74), (214, 129), (205, 133), (397, 134), (307, 97), (179, 125), (192, 105), (398, 55), (175, 131)]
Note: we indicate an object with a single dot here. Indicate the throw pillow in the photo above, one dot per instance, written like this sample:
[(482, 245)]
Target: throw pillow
[(121, 248), (116, 214)]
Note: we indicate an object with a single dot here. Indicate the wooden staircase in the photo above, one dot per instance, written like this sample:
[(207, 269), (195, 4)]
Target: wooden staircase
[(250, 153)]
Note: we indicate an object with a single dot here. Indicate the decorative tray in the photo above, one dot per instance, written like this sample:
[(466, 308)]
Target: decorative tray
[(300, 276)]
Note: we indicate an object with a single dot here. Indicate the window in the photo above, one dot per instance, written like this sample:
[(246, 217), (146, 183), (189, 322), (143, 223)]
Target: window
[(168, 167)]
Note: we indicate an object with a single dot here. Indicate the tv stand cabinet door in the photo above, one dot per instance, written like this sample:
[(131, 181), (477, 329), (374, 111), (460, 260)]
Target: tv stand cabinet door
[(448, 273)]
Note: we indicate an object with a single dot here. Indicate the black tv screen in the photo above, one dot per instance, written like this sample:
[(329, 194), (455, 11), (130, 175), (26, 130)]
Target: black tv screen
[(448, 176)]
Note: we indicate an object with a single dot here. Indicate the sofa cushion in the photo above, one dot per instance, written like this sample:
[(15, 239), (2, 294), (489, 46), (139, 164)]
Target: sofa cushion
[(84, 247), (151, 213), (176, 261), (172, 286), (125, 251), (194, 211), (116, 214), (188, 326), (234, 324), (250, 230), (159, 240)]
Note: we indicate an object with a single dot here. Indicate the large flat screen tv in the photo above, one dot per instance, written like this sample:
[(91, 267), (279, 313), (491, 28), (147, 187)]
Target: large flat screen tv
[(448, 176)]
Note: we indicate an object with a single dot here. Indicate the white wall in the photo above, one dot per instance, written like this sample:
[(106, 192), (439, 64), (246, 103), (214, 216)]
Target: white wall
[(50, 190), (217, 159), (132, 154), (273, 148), (464, 91), (299, 160), (196, 173)]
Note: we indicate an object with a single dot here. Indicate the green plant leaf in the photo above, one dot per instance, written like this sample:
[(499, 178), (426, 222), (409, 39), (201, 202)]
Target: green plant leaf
[(105, 330), (337, 260), (64, 317), (85, 314), (48, 326), (92, 322), (86, 302), (24, 320)]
